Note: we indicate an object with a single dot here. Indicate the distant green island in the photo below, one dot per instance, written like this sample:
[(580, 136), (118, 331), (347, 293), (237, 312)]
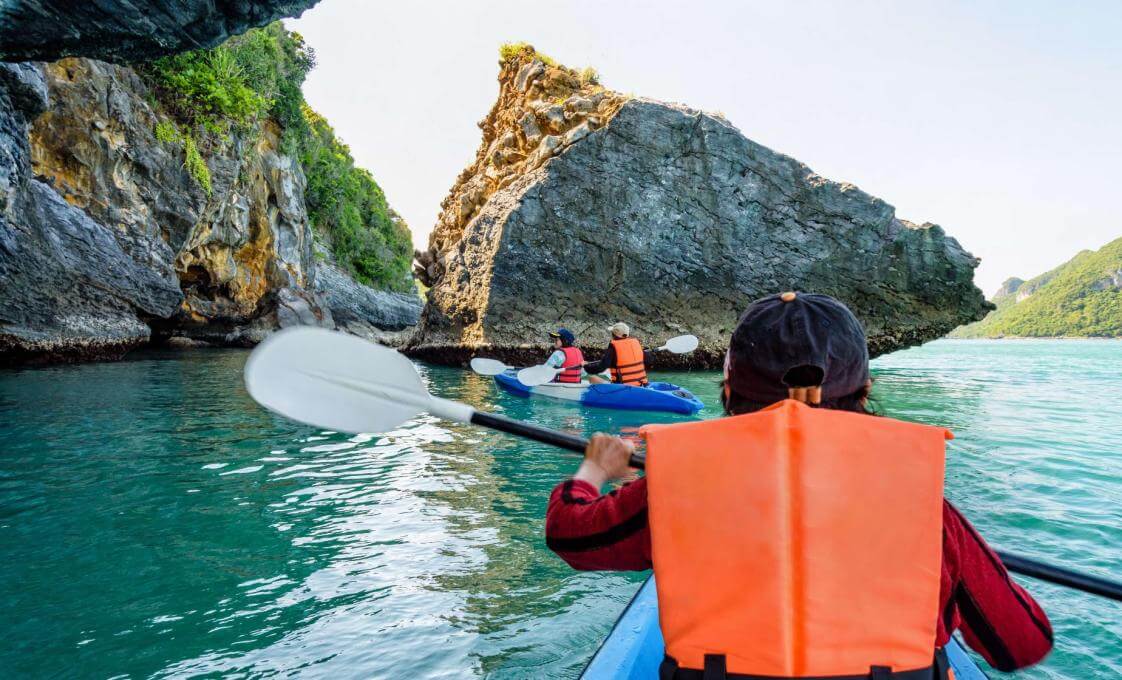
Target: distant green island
[(1080, 298)]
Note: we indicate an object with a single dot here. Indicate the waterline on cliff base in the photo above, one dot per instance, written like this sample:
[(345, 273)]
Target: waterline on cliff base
[(155, 522)]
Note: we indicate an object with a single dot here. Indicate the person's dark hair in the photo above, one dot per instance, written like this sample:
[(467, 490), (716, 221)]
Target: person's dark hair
[(857, 402)]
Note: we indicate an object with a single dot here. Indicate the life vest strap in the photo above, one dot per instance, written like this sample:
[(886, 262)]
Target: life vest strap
[(715, 667), (715, 670)]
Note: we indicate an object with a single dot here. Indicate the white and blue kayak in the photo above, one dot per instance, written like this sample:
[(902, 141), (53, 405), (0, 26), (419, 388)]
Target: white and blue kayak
[(657, 396), (634, 648)]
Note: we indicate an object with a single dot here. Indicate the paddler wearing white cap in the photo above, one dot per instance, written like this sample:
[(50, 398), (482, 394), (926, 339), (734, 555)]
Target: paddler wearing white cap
[(625, 358)]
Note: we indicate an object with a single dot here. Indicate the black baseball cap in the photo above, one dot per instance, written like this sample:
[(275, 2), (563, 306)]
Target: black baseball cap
[(565, 335), (796, 340)]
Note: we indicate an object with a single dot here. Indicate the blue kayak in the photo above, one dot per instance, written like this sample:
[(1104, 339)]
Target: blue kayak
[(633, 649), (658, 396)]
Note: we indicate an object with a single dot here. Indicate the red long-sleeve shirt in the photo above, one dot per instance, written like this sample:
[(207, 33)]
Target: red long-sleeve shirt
[(998, 618)]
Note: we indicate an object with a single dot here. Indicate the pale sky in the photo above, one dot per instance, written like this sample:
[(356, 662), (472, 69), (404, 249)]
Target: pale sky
[(997, 120)]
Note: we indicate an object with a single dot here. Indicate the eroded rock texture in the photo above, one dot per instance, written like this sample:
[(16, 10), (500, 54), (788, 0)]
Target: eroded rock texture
[(129, 30), (105, 239), (108, 242), (542, 109), (67, 286), (360, 310), (669, 219)]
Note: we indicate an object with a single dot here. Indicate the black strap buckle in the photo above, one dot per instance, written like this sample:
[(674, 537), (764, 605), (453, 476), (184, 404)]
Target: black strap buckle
[(715, 667)]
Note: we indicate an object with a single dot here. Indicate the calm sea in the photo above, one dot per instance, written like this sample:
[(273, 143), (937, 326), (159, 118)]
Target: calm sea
[(154, 522)]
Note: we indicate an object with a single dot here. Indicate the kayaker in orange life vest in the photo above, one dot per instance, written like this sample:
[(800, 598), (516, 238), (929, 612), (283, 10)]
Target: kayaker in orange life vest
[(565, 356), (802, 536), (625, 359)]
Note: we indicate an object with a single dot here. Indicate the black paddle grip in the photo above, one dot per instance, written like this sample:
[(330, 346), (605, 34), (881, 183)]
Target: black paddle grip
[(1095, 585), (541, 434)]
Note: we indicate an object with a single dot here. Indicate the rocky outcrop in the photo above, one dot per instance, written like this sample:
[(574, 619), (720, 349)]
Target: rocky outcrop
[(129, 30), (108, 242), (232, 251), (1008, 288), (363, 311), (67, 286), (667, 218), (542, 109)]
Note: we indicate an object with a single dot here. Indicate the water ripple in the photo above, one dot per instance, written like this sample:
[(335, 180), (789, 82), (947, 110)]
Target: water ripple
[(155, 522)]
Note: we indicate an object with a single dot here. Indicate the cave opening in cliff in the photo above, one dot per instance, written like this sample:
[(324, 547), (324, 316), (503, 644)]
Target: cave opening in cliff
[(197, 279)]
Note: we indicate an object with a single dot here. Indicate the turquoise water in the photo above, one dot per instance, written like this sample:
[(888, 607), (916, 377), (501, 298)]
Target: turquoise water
[(155, 523)]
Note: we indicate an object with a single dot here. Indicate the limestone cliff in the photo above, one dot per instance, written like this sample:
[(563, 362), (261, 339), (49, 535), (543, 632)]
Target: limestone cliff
[(542, 109), (112, 243), (129, 214), (68, 287), (128, 30), (584, 207), (96, 145), (1008, 287)]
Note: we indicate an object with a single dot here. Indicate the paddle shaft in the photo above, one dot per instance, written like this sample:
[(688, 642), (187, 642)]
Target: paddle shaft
[(1026, 566), (541, 434), (1095, 585)]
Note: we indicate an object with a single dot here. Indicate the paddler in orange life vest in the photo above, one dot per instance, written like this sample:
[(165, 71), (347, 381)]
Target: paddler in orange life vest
[(624, 359), (566, 356), (801, 537)]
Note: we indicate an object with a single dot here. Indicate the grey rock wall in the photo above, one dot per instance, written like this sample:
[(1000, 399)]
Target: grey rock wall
[(672, 220), (67, 286), (361, 310), (128, 30)]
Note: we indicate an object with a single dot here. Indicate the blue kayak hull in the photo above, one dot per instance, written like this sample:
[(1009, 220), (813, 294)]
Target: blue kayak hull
[(634, 649), (658, 396)]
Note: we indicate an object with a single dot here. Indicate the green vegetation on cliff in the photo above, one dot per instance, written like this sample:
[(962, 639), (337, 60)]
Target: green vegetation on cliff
[(1080, 298), (347, 205), (235, 86), (515, 50), (233, 89)]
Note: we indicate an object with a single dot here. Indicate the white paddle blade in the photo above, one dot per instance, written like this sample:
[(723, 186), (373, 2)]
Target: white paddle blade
[(334, 381), (681, 344), (488, 366), (537, 375)]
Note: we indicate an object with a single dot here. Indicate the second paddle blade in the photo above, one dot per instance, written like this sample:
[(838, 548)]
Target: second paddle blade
[(682, 344), (488, 366), (536, 375)]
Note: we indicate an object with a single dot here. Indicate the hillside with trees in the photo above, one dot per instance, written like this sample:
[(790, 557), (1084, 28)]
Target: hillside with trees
[(1080, 298)]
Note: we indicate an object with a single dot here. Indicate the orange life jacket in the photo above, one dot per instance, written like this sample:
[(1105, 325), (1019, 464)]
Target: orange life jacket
[(798, 542), (574, 360), (629, 367)]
